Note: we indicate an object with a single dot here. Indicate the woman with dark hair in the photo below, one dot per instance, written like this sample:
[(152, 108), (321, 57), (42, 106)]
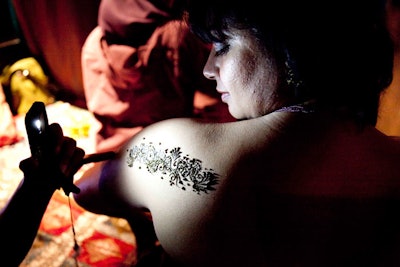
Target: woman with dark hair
[(302, 178)]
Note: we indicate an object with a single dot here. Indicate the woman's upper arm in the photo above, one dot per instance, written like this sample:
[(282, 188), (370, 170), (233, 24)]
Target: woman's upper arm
[(157, 165)]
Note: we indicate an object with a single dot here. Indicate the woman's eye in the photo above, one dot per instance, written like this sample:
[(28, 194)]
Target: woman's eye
[(221, 48)]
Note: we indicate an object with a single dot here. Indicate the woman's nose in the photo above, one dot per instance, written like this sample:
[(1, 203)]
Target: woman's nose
[(209, 69)]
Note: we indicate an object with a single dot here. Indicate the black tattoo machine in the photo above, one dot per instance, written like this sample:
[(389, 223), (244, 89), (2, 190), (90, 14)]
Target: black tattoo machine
[(36, 124)]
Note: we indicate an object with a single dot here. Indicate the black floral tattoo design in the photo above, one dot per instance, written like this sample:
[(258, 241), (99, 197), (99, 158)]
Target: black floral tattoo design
[(182, 170)]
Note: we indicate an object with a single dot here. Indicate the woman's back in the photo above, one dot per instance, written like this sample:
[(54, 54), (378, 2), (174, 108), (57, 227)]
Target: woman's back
[(288, 189)]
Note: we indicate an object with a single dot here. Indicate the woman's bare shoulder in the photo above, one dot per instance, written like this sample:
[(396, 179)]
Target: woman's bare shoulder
[(201, 154)]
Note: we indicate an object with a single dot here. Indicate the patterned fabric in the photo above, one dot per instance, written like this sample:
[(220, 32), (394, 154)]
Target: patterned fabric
[(102, 240)]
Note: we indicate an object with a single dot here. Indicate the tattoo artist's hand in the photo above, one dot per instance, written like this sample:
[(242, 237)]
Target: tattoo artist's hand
[(62, 160)]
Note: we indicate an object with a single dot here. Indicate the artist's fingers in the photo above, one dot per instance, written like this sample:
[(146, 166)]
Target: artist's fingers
[(28, 165), (75, 162), (56, 136), (70, 155)]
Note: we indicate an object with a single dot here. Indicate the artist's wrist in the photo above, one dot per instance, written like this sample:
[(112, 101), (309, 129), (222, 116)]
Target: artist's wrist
[(39, 177), (38, 185)]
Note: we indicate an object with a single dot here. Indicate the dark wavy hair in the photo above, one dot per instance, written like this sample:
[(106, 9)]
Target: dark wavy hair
[(337, 52)]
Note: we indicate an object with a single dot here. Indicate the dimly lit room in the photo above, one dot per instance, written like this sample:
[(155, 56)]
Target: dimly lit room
[(107, 71)]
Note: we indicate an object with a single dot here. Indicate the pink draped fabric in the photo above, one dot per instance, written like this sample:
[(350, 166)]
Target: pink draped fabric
[(55, 32)]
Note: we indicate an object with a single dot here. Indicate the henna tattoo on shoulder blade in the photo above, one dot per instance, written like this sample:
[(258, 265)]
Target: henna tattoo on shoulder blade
[(182, 171)]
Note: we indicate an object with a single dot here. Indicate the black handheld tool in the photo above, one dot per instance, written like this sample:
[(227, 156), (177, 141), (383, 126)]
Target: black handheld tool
[(36, 124)]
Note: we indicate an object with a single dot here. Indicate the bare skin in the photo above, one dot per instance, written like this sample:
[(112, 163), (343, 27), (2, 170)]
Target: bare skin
[(389, 111)]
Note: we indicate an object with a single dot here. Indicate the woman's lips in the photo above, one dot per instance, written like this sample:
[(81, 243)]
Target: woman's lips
[(224, 97)]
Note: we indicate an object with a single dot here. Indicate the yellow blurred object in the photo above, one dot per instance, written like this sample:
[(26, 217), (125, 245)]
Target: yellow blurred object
[(27, 83), (79, 130), (75, 122), (8, 129)]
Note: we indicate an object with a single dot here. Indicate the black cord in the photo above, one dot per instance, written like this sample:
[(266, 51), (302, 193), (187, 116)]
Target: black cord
[(76, 246)]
